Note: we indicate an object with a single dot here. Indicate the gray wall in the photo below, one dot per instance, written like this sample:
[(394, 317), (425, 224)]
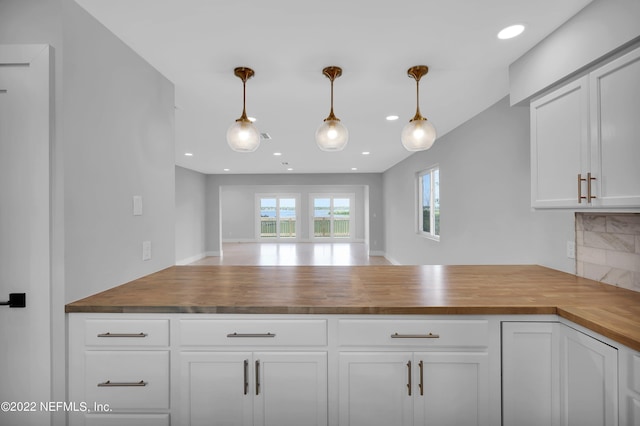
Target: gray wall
[(113, 138), (118, 130), (191, 195), (239, 208), (484, 199), (593, 33), (217, 184)]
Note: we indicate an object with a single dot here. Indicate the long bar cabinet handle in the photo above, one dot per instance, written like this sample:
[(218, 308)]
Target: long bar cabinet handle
[(257, 377), (589, 179), (122, 334), (580, 196), (246, 376), (409, 377), (415, 336), (251, 335), (109, 383), (421, 384)]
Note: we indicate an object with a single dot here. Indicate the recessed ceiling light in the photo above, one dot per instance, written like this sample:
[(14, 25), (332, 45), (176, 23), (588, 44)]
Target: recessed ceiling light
[(188, 154), (252, 119), (290, 168), (392, 117), (277, 154), (511, 31), (226, 170), (354, 168), (365, 153)]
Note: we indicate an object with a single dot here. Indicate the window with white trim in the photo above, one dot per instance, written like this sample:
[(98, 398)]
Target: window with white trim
[(429, 203), (277, 216)]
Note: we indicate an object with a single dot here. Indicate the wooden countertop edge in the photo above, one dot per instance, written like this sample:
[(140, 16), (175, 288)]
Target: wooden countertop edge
[(319, 310)]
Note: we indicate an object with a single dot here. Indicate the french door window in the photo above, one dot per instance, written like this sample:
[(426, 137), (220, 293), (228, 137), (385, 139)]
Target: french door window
[(332, 216), (277, 216)]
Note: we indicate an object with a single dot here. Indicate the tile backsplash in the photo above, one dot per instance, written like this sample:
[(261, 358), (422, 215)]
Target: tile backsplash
[(608, 248)]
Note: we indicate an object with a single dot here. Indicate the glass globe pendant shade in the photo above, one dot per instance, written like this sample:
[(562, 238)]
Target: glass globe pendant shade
[(418, 135), (243, 136), (332, 135)]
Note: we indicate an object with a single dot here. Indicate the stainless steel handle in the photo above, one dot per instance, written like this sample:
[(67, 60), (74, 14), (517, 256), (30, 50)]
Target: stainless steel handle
[(251, 335), (409, 377), (589, 179), (109, 383), (415, 336), (122, 334), (257, 377), (580, 196), (421, 384), (246, 376)]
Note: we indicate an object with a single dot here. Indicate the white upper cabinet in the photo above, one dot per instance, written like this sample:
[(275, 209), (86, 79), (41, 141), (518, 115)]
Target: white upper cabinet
[(585, 140), (615, 131)]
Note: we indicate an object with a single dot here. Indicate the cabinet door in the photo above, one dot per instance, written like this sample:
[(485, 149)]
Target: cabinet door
[(530, 374), (452, 389), (559, 145), (373, 389), (216, 389), (615, 109), (589, 380), (290, 388)]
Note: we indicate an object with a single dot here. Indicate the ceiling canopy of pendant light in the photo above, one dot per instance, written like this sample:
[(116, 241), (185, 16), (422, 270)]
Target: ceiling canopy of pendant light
[(243, 136), (419, 134), (332, 135)]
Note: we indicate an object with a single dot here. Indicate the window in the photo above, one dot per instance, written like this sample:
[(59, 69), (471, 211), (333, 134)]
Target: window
[(277, 216), (332, 216), (429, 203)]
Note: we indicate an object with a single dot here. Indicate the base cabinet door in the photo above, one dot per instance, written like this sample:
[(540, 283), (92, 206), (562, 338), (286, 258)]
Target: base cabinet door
[(291, 389), (452, 389), (414, 388), (254, 388), (530, 374), (589, 380), (375, 389), (215, 389)]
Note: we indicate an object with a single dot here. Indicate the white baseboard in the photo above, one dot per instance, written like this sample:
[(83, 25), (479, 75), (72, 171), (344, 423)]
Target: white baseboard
[(191, 259), (376, 253)]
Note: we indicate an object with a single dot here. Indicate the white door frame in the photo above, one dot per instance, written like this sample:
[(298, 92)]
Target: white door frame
[(34, 324)]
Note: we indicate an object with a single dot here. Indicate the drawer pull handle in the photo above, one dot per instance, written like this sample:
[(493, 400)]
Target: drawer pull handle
[(409, 377), (109, 383), (122, 334), (258, 377), (415, 336), (251, 335), (421, 384), (246, 376)]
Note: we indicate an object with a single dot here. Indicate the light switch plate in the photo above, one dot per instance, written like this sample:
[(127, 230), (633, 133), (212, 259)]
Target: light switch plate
[(137, 205), (146, 250), (571, 249)]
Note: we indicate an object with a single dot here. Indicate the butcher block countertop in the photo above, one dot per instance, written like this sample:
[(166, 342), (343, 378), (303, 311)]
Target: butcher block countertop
[(458, 289)]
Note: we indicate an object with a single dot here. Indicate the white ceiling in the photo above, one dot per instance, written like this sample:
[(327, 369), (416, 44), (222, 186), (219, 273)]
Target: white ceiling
[(197, 43)]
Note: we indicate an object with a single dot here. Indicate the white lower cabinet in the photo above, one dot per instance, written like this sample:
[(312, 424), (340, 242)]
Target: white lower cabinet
[(414, 388), (254, 388), (588, 380), (553, 374)]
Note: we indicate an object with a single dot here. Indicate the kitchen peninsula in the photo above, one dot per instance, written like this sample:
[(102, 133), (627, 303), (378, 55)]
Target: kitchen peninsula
[(355, 345)]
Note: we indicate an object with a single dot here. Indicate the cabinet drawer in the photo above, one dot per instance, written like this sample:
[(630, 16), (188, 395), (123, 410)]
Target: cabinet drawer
[(134, 332), (127, 419), (425, 333), (127, 379), (253, 332)]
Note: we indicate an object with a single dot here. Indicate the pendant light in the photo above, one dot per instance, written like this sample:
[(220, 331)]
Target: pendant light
[(419, 134), (243, 136), (332, 135)]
